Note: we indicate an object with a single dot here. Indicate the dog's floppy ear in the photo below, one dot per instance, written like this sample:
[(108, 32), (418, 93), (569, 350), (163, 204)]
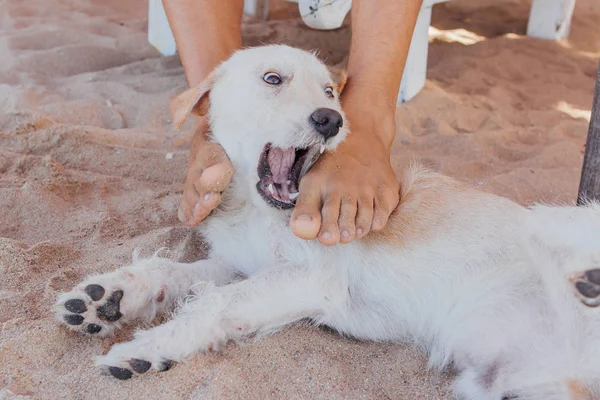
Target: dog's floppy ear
[(339, 77), (192, 101)]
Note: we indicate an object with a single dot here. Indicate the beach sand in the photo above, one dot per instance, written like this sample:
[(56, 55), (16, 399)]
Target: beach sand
[(91, 168)]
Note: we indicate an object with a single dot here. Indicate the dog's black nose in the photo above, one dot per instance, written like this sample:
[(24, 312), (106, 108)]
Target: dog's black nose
[(327, 122)]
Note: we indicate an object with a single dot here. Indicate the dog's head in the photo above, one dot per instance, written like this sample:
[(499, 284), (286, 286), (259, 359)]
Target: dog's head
[(274, 109)]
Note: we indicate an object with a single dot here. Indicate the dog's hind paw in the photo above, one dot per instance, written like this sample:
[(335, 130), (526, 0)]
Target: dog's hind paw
[(100, 304), (125, 360), (136, 366), (587, 287)]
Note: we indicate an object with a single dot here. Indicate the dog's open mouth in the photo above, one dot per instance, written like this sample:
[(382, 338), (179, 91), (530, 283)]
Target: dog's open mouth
[(280, 171)]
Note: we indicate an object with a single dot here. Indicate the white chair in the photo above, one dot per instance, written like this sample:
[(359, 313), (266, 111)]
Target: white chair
[(548, 19)]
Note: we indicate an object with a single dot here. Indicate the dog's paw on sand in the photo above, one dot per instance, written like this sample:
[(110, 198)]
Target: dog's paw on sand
[(102, 303), (124, 360), (587, 287)]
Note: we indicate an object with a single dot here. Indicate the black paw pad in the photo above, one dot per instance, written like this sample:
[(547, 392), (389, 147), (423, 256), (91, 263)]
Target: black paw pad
[(139, 366), (120, 373), (593, 275), (74, 319), (165, 365), (110, 311), (93, 328), (588, 289), (76, 306), (96, 292)]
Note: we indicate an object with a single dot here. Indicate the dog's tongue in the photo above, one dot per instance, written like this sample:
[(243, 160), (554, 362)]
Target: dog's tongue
[(281, 162)]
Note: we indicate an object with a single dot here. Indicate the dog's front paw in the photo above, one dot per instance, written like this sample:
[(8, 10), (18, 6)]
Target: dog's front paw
[(124, 360), (102, 303), (587, 287)]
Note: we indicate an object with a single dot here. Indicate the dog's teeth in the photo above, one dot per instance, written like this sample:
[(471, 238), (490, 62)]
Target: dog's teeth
[(322, 149), (271, 189), (293, 196)]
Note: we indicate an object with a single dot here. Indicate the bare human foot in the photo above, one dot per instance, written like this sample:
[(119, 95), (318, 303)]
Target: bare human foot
[(353, 190)]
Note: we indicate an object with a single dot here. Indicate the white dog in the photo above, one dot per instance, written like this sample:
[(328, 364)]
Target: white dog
[(480, 283)]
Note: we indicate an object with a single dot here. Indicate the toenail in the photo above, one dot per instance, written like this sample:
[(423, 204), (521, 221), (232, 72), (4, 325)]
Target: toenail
[(208, 196), (120, 373), (326, 235), (359, 231), (345, 233), (76, 306), (304, 218), (93, 328), (140, 366), (96, 292), (74, 319)]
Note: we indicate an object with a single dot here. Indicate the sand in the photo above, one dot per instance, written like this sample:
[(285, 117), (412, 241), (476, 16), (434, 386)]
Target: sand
[(90, 168)]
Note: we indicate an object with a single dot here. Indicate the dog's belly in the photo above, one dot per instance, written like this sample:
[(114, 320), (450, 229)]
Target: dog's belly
[(428, 296)]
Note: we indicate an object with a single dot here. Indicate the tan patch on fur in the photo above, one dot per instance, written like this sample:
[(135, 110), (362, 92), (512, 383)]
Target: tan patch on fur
[(578, 391), (340, 77), (192, 101), (424, 207)]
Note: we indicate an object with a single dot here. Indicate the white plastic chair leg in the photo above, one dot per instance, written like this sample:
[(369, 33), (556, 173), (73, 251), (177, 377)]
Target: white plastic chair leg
[(159, 31), (415, 69), (257, 8), (550, 19)]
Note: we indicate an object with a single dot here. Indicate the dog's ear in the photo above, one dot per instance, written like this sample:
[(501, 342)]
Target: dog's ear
[(192, 101), (339, 77)]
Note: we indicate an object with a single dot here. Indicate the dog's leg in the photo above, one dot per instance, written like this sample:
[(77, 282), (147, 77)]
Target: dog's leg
[(215, 315), (104, 302)]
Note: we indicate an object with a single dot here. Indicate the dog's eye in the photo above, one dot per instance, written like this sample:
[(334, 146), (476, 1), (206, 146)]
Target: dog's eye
[(329, 92), (272, 78)]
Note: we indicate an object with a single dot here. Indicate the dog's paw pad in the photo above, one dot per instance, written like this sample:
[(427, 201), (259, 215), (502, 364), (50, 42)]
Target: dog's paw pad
[(76, 306), (111, 309), (92, 329), (593, 275), (96, 292), (140, 366), (74, 319), (120, 373), (587, 287)]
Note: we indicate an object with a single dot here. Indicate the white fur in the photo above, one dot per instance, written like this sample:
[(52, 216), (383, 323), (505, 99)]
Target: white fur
[(481, 284)]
